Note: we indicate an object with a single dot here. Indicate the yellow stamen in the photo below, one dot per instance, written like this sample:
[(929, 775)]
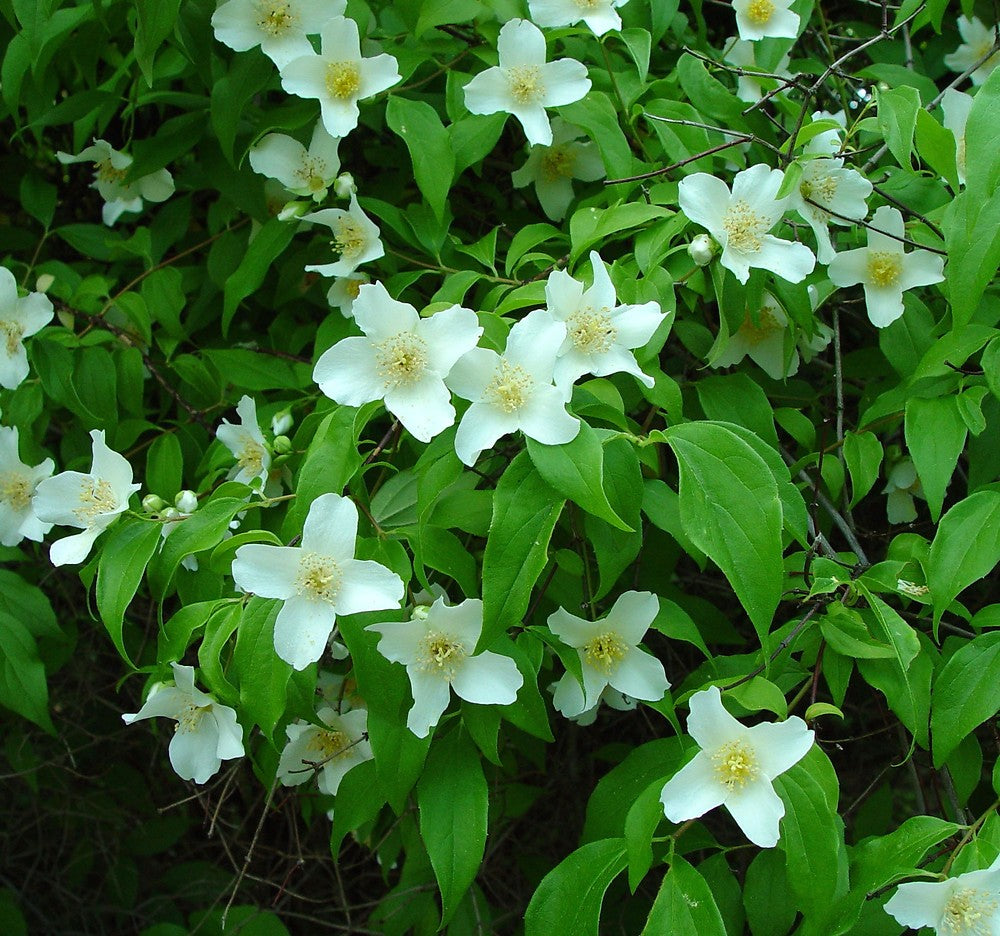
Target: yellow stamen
[(884, 267), (760, 11), (15, 490), (319, 577), (13, 332), (591, 330), (349, 238), (525, 83), (746, 228), (441, 654), (735, 764), (401, 359), (329, 745), (275, 17), (557, 163), (510, 387), (605, 652), (968, 912), (96, 497), (343, 79), (766, 324)]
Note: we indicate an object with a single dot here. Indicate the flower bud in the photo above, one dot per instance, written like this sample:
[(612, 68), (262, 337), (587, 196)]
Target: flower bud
[(186, 501), (281, 423), (170, 513), (702, 249), (293, 210), (282, 445), (343, 185), (153, 503)]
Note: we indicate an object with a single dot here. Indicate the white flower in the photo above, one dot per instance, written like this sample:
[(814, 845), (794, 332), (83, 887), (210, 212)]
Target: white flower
[(979, 39), (552, 167), (824, 187), (339, 77), (330, 751), (355, 238), (735, 767), (89, 501), (763, 340), (514, 390), (246, 442), (17, 485), (402, 359), (609, 654), (305, 172), (743, 53), (524, 84), (757, 19), (109, 174), (317, 580), (438, 651), (279, 27), (20, 316), (740, 222), (884, 269), (965, 905), (599, 333), (902, 485), (206, 733), (345, 290), (956, 107), (599, 15)]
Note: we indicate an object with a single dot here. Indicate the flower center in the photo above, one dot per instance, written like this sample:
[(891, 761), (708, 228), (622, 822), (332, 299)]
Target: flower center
[(15, 490), (587, 4), (343, 79), (744, 227), (760, 11), (275, 17), (353, 287), (96, 497), (251, 456), (821, 187), (766, 324), (525, 83), (591, 330), (190, 717), (401, 359), (605, 652), (557, 163), (968, 912), (884, 267), (349, 238), (510, 387), (13, 332), (440, 654), (319, 577), (912, 588), (329, 745), (735, 764), (312, 172), (108, 173)]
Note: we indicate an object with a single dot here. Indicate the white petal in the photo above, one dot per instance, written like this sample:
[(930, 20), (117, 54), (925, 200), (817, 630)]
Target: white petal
[(278, 156), (368, 586), (380, 316), (109, 466), (340, 40), (884, 305), (919, 903), (886, 229), (230, 743), (632, 614), (34, 312), (73, 549), (704, 200), (472, 373), (157, 186), (431, 694), (572, 630), (640, 676), (400, 640), (449, 334), (520, 42), (757, 810), (692, 791), (377, 74), (790, 261), (167, 702), (301, 630), (348, 372), (544, 418), (481, 426), (709, 723), (535, 122), (637, 323), (780, 745), (568, 698), (331, 527), (13, 366), (488, 92), (305, 77), (565, 81), (424, 408), (268, 571), (921, 268), (534, 342), (563, 294), (849, 267), (488, 679), (193, 753)]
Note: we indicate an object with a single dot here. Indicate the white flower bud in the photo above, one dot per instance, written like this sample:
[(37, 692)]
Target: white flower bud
[(281, 423), (702, 249), (343, 185), (186, 501), (170, 513), (153, 503)]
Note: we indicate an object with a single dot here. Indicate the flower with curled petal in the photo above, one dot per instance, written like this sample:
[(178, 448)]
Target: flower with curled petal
[(206, 733), (308, 173), (735, 767), (17, 485), (329, 752), (437, 647), (355, 239), (246, 442), (828, 193), (20, 317), (524, 84), (978, 40), (317, 580), (599, 15), (279, 27)]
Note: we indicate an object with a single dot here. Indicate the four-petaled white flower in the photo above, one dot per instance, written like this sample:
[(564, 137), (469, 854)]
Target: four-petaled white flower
[(735, 767), (246, 442), (438, 650), (339, 77), (599, 15), (402, 359), (90, 501), (743, 53), (317, 580), (345, 290), (884, 269), (827, 192), (599, 333), (763, 340), (978, 40), (524, 84), (20, 316), (740, 222), (609, 654), (553, 167), (514, 390), (305, 172), (17, 485), (327, 752), (206, 733), (965, 905), (758, 19), (279, 27), (109, 179), (355, 238), (956, 107)]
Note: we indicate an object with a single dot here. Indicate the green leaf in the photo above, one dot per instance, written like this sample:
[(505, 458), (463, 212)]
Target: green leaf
[(769, 904), (433, 158), (845, 631), (640, 825), (935, 437), (708, 94), (598, 116), (972, 258), (982, 139), (123, 560), (731, 510), (991, 366), (897, 119), (22, 675), (576, 470), (164, 465), (268, 244), (261, 676), (863, 455), (154, 23), (966, 693), (936, 147), (735, 398), (525, 511), (638, 42), (590, 226), (966, 548), (568, 901), (440, 12), (684, 905), (218, 629), (452, 798)]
